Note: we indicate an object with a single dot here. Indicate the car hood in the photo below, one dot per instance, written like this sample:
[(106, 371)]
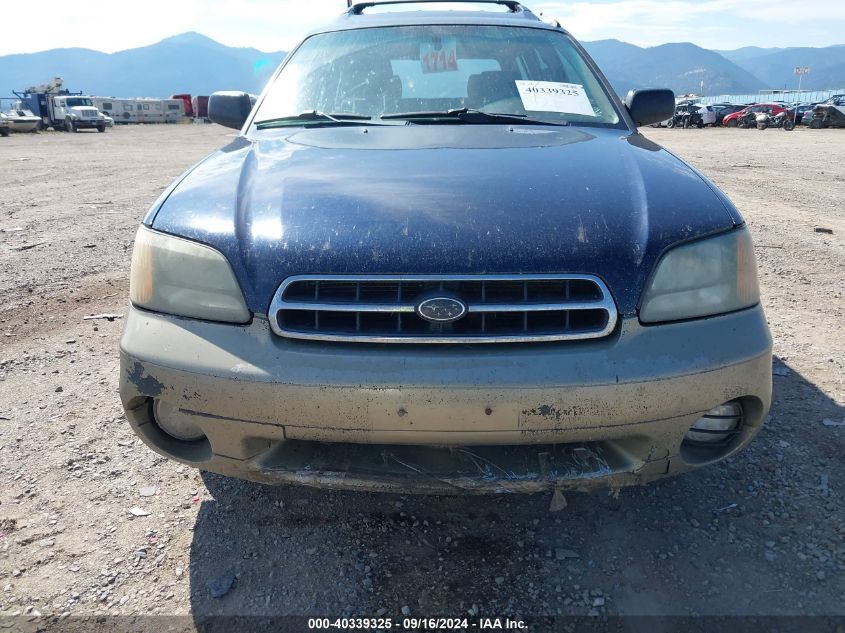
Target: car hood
[(430, 199)]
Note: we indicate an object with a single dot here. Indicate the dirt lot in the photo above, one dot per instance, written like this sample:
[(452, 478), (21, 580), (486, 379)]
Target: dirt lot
[(763, 533)]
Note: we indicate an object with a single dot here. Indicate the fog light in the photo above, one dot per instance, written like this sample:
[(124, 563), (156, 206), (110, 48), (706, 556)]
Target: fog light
[(176, 423), (718, 425)]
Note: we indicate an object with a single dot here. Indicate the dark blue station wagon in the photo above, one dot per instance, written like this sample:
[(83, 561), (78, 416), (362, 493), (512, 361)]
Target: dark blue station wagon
[(440, 257)]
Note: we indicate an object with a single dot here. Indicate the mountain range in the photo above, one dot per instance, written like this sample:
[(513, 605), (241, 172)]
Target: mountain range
[(196, 64), (684, 68), (775, 66), (186, 63)]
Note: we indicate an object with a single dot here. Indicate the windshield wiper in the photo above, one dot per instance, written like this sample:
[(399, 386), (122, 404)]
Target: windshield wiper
[(314, 116), (469, 115)]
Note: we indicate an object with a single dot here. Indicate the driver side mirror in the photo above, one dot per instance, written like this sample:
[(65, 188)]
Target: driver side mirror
[(650, 106), (229, 108)]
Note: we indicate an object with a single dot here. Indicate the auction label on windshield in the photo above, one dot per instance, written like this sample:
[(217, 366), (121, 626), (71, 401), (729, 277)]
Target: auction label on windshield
[(552, 96), (439, 55)]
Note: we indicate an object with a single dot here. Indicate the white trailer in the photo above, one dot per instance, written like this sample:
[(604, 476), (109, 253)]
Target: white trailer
[(141, 110), (121, 110), (174, 110), (149, 110), (107, 106)]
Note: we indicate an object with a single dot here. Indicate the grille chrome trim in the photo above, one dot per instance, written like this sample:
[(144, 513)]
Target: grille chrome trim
[(604, 302)]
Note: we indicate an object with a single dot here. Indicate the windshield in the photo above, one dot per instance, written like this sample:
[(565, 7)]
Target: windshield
[(75, 103), (371, 72)]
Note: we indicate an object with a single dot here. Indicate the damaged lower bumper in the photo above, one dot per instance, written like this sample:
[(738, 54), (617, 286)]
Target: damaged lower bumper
[(458, 420), (490, 469)]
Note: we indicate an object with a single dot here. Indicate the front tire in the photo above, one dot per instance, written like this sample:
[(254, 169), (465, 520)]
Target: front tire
[(101, 128), (69, 126), (789, 125), (670, 123)]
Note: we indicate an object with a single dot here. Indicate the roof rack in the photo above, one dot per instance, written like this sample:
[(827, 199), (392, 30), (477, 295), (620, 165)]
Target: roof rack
[(356, 8)]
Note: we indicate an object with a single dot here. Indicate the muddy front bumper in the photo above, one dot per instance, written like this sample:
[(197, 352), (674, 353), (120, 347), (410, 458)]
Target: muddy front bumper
[(444, 419)]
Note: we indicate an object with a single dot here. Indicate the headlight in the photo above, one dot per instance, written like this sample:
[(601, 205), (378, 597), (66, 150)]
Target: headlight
[(711, 276), (180, 277)]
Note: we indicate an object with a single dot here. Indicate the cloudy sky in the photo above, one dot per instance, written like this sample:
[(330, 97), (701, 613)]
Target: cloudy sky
[(272, 25)]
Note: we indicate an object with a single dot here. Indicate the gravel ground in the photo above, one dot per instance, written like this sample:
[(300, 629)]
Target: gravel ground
[(92, 522)]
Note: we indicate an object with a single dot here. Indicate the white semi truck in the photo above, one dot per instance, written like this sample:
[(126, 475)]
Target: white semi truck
[(61, 109)]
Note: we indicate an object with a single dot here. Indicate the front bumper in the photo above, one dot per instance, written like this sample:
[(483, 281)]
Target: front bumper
[(88, 124), (444, 419)]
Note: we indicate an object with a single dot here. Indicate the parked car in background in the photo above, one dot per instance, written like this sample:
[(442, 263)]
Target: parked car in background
[(722, 110), (440, 257), (830, 113), (807, 117), (691, 115), (800, 110), (708, 115), (732, 120)]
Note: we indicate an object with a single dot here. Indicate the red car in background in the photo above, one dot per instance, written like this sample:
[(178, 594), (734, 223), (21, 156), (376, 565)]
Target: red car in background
[(732, 120)]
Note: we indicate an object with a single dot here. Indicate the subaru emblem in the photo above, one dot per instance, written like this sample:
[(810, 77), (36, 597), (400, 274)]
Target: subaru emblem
[(442, 309)]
